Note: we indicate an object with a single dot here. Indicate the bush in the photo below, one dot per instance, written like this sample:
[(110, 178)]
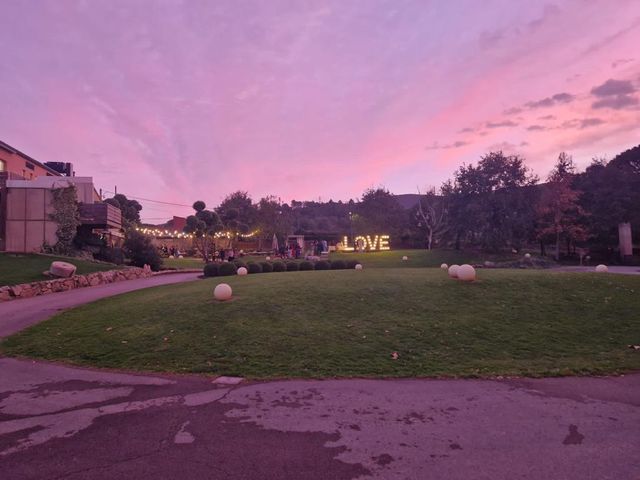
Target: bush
[(141, 251), (293, 267), (239, 263), (351, 264), (211, 270), (254, 267), (322, 265), (338, 265), (266, 267), (227, 269), (279, 267), (111, 255), (306, 265)]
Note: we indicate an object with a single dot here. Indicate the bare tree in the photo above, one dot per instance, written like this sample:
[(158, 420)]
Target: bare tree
[(432, 212)]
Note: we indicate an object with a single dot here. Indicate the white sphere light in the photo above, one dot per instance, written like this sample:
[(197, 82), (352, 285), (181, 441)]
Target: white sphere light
[(180, 256), (444, 266), (527, 256), (466, 273), (222, 292), (405, 258), (358, 267), (268, 258), (453, 271), (242, 271), (602, 268)]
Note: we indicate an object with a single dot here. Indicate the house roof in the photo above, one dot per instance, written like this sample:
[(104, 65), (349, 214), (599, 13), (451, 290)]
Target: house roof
[(10, 149)]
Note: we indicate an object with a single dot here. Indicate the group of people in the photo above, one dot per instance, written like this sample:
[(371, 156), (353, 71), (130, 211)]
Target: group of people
[(170, 251)]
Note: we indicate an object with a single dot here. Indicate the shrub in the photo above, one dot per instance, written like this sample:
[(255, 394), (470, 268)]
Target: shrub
[(141, 251), (254, 267), (351, 264), (266, 267), (227, 269), (279, 267), (338, 265), (293, 267), (306, 265), (211, 270), (110, 254), (322, 265), (239, 263)]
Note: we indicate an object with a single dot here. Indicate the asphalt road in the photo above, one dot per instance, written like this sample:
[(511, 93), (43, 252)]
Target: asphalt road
[(18, 314), (58, 422)]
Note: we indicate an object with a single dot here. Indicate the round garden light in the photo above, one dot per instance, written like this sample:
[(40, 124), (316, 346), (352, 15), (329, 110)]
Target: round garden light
[(453, 271), (466, 273), (222, 292), (358, 266), (267, 258), (527, 256), (405, 258), (242, 271), (181, 256), (602, 268), (444, 266)]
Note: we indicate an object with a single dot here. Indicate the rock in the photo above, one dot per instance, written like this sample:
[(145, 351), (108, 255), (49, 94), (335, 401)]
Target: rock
[(62, 269), (15, 290)]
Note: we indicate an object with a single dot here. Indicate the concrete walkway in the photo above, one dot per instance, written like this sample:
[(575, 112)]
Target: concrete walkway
[(18, 314), (612, 269), (58, 422)]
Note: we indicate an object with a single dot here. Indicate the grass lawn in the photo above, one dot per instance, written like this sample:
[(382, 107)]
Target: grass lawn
[(388, 259), (422, 258), (24, 268), (348, 323)]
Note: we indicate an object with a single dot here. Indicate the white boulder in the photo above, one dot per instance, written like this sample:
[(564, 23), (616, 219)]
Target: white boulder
[(222, 292), (453, 271), (466, 273), (62, 269)]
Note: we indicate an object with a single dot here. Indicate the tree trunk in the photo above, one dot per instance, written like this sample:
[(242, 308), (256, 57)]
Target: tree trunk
[(557, 254), (542, 251), (430, 239)]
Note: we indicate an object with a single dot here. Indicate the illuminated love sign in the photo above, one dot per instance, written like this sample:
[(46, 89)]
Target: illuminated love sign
[(378, 242)]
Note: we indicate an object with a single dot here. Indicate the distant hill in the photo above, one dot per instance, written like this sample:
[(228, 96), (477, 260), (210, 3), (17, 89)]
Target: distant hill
[(407, 200)]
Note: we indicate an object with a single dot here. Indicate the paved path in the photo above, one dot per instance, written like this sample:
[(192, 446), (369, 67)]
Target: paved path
[(612, 269), (67, 423), (18, 314)]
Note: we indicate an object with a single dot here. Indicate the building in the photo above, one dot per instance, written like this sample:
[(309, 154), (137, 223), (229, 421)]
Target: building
[(26, 203)]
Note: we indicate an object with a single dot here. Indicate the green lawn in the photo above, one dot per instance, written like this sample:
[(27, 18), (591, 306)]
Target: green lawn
[(347, 323), (388, 259), (25, 268)]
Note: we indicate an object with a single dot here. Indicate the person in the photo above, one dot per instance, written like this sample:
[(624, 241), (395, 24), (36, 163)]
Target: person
[(325, 246), (221, 254), (298, 250)]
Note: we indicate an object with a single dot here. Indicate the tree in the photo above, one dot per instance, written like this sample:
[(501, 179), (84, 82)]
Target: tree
[(130, 209), (141, 251), (378, 212), (432, 213), (67, 217), (273, 218), (559, 214), (245, 211), (203, 226), (491, 204)]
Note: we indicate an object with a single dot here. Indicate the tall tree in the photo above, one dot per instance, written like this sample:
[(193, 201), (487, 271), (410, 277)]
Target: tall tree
[(130, 209), (491, 204), (273, 217), (203, 225), (559, 214), (432, 213), (379, 212)]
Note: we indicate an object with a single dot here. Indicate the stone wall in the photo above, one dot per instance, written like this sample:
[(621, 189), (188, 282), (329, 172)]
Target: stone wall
[(26, 290)]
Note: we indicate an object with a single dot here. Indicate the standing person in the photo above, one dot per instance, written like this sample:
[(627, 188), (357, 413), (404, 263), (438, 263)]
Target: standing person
[(325, 246), (221, 254)]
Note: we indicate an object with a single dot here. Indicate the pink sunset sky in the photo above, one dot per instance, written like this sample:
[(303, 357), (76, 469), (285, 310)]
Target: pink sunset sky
[(186, 100)]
